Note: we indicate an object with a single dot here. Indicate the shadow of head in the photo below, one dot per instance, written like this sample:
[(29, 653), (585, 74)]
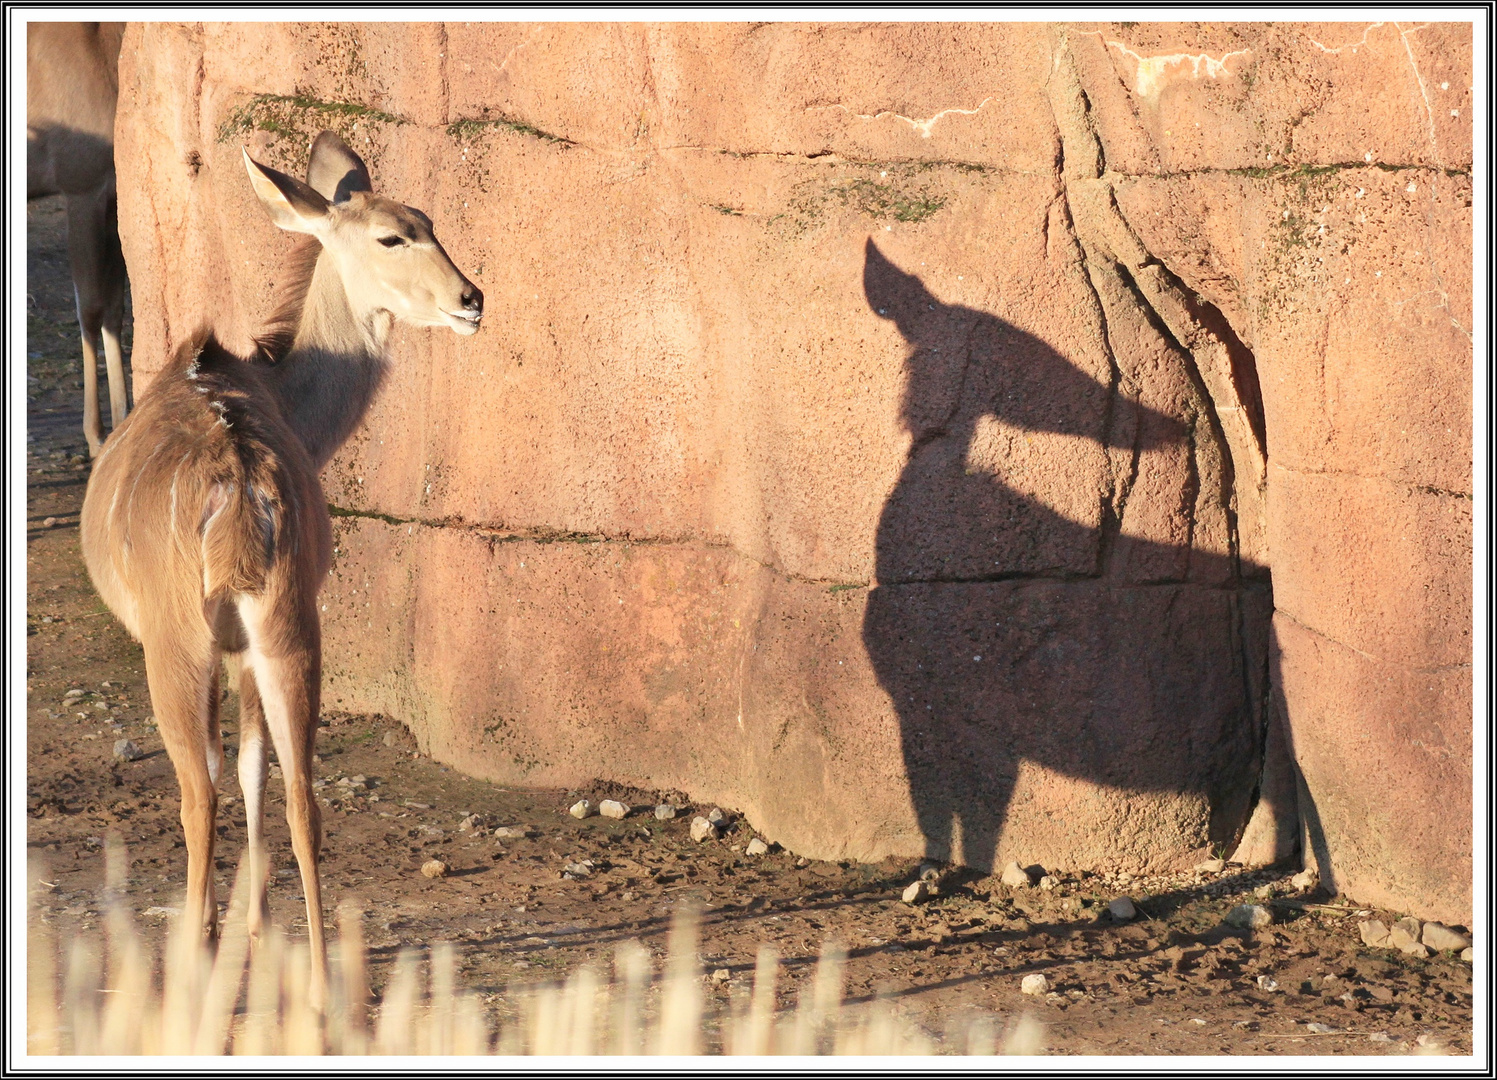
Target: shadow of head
[(1016, 628), (964, 364)]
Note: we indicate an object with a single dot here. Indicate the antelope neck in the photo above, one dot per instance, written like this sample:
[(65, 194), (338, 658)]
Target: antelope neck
[(335, 366)]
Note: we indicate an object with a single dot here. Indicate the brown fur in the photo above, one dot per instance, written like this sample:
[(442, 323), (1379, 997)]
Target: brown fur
[(275, 339), (72, 86), (204, 527)]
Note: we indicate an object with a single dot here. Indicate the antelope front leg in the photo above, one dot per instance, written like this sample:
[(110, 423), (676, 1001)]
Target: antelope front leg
[(114, 362), (113, 283), (85, 220)]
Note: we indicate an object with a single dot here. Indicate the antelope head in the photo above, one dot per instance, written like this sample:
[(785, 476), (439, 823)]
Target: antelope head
[(385, 252)]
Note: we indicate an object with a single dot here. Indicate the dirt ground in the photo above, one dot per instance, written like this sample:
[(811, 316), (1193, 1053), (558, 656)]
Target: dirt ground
[(1175, 980)]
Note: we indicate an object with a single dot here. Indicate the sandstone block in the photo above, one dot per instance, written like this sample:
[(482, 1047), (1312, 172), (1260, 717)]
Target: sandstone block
[(1442, 938)]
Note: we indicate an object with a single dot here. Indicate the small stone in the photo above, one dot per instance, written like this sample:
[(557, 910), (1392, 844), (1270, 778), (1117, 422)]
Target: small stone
[(1306, 879), (471, 823), (1016, 877), (612, 808), (664, 812), (1264, 892), (917, 891), (717, 817), (1442, 938), (47, 523), (577, 869), (1197, 1021), (1405, 933), (1320, 1029), (1468, 954), (434, 868), (1249, 916), (929, 872), (514, 832), (721, 975), (756, 846), (581, 809), (1049, 882), (1379, 1037), (1122, 909), (1036, 985), (1268, 983), (126, 750), (72, 694), (1375, 934), (702, 829), (1211, 866), (1417, 949)]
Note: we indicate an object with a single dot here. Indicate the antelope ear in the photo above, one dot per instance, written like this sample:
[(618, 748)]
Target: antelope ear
[(335, 170), (292, 205)]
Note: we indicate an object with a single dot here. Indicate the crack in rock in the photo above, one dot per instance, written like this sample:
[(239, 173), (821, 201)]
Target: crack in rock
[(922, 126)]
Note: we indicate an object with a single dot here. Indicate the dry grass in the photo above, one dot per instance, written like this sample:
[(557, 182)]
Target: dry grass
[(114, 997)]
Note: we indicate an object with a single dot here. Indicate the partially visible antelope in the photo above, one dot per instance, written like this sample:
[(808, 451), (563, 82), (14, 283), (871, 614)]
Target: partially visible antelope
[(204, 526), (72, 84)]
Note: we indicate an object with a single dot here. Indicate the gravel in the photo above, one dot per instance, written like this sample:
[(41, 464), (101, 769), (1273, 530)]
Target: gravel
[(918, 891), (702, 829), (126, 750), (1306, 879), (1249, 916), (1016, 877)]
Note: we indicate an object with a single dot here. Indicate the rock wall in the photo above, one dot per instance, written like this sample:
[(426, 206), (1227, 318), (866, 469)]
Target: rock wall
[(891, 430)]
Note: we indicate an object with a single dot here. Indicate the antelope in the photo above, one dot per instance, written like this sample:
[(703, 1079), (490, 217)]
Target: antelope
[(204, 526), (72, 84)]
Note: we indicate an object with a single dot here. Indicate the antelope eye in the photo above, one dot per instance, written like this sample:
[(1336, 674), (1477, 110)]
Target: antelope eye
[(392, 241)]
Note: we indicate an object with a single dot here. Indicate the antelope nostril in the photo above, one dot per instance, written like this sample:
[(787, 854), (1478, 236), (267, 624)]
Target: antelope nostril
[(472, 299)]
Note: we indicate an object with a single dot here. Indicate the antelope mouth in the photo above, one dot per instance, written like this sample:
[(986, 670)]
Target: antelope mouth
[(464, 322)]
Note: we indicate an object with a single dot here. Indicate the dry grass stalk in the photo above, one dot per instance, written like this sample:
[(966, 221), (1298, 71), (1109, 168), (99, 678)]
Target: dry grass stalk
[(254, 1002)]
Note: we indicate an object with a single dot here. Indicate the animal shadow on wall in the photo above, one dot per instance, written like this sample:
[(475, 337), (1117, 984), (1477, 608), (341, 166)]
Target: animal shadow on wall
[(1004, 632)]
